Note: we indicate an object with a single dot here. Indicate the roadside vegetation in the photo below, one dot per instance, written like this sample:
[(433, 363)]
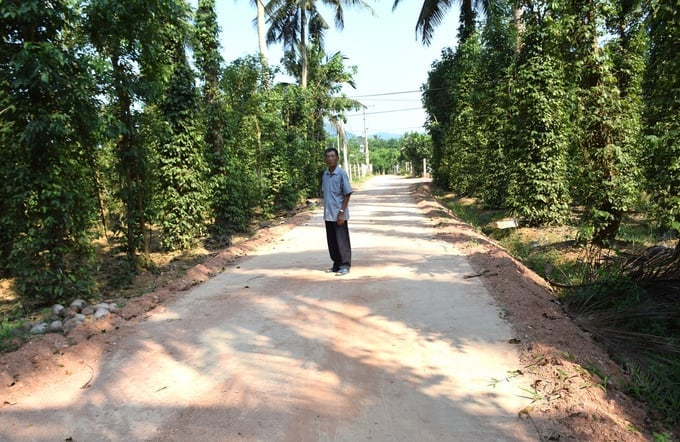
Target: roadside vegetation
[(625, 295), (560, 119)]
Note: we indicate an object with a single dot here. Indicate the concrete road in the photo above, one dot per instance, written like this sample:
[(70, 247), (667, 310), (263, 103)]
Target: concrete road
[(404, 348)]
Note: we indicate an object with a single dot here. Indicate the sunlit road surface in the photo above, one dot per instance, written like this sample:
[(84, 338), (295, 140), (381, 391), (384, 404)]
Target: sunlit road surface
[(404, 348)]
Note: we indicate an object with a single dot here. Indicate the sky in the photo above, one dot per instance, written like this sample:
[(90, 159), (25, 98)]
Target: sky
[(392, 65)]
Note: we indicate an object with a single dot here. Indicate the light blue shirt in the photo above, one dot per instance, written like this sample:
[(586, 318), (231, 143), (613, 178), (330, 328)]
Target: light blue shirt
[(334, 185)]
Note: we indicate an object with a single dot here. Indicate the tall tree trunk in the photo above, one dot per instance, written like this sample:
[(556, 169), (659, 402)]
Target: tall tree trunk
[(519, 27), (601, 134), (128, 166), (146, 252), (258, 135), (261, 30), (123, 147), (100, 191), (303, 49)]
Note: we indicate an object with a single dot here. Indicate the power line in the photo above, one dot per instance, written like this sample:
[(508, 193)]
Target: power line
[(388, 129), (393, 100), (396, 93), (384, 112), (372, 99), (386, 93)]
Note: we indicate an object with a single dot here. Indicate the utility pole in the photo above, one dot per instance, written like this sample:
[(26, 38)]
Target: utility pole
[(342, 147), (368, 162)]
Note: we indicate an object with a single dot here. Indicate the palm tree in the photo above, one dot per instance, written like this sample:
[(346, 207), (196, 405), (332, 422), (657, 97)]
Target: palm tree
[(433, 11), (261, 32), (328, 74), (292, 21)]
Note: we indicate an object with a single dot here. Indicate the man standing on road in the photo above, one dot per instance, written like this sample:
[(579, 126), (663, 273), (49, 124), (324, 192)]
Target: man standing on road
[(336, 192)]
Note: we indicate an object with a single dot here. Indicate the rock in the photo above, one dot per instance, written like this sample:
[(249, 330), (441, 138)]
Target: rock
[(38, 329), (58, 310), (65, 319), (509, 223), (78, 304), (101, 312), (74, 322), (110, 306), (70, 324)]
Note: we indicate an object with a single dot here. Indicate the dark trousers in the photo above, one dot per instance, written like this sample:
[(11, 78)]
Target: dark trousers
[(338, 244)]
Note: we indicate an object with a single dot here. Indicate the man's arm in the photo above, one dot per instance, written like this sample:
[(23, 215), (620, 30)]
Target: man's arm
[(343, 207)]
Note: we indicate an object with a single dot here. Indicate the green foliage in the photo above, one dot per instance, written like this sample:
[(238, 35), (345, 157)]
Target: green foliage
[(182, 198), (492, 107), (182, 171), (255, 136), (526, 136), (301, 154), (663, 437), (453, 129), (415, 148), (47, 190), (467, 213), (280, 185), (299, 26), (662, 107), (463, 159), (206, 48), (607, 128), (234, 198), (235, 152), (272, 142), (385, 155), (135, 37), (209, 63), (538, 192), (437, 97), (327, 76), (9, 335)]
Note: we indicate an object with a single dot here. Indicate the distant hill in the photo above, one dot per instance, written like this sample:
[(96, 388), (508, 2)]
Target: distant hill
[(386, 135), (350, 135), (381, 135)]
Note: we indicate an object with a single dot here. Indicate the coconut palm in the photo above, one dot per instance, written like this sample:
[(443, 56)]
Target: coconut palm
[(261, 32), (327, 77), (294, 22), (433, 11)]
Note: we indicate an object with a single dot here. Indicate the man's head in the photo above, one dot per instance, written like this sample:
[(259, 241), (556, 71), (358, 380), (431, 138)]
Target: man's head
[(331, 157)]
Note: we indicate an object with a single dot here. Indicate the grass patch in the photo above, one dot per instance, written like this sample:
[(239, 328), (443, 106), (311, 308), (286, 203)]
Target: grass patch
[(10, 335)]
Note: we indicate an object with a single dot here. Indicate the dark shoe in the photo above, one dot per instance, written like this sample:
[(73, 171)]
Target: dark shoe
[(342, 272)]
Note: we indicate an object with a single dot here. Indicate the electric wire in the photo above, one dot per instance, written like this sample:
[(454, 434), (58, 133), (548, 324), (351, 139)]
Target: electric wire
[(382, 101)]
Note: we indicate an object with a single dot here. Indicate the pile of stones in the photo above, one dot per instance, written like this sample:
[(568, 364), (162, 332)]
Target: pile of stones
[(63, 319)]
